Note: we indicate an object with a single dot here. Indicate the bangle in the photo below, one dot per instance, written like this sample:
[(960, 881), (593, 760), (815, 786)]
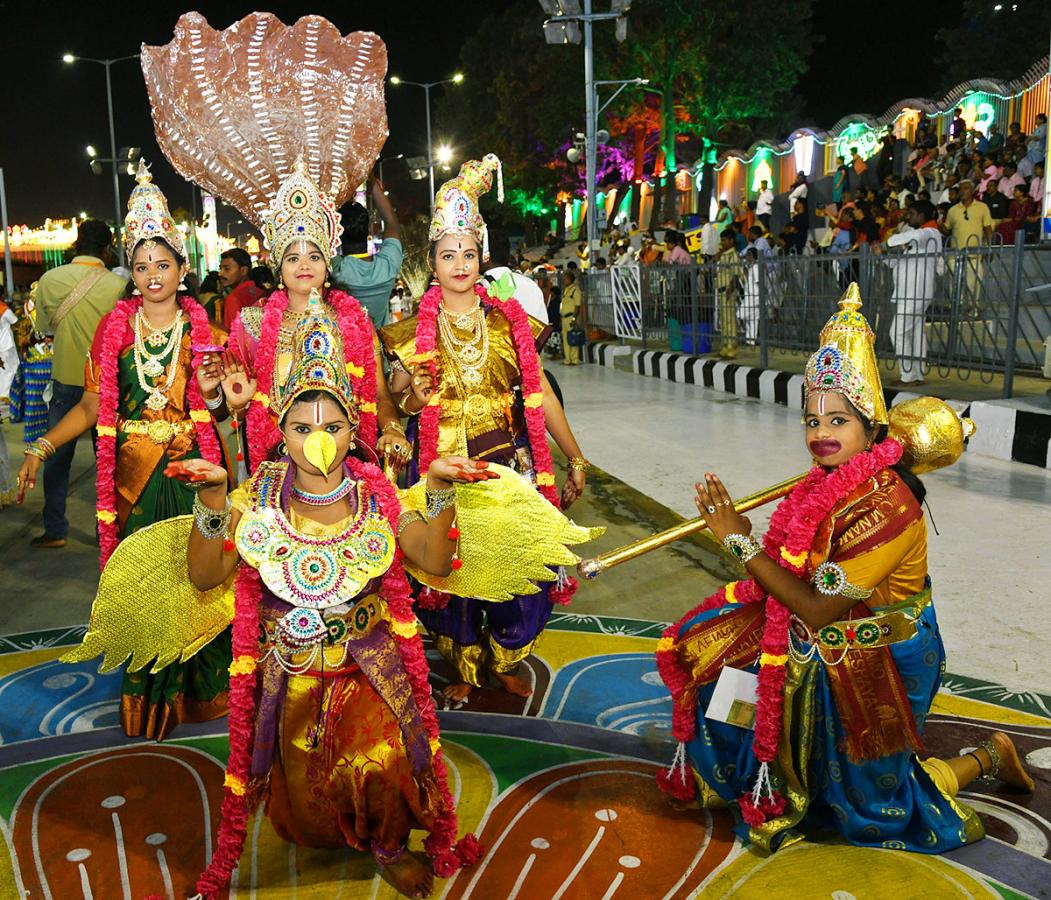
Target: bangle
[(743, 546), (439, 501), (401, 401), (211, 523), (579, 464), (41, 448), (407, 518), (214, 404), (395, 426)]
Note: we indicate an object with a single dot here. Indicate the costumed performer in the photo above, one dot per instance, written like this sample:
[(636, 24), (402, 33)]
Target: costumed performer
[(302, 232), (331, 717), (287, 157), (466, 371), (838, 611), (149, 407)]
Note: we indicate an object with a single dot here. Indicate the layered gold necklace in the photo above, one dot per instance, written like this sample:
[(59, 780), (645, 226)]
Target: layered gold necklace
[(150, 365), (471, 352)]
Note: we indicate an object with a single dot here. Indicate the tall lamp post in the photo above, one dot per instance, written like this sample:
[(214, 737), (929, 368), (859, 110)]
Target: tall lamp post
[(69, 59), (427, 85), (563, 27)]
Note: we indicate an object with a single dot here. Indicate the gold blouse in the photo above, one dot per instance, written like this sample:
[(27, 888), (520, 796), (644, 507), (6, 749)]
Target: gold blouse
[(469, 412)]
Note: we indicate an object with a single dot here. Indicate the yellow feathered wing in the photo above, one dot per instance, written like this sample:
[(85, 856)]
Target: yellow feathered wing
[(510, 538), (147, 609)]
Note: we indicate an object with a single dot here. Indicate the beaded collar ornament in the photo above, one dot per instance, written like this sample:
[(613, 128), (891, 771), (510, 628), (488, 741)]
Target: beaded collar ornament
[(311, 573), (456, 208), (148, 217), (845, 363), (301, 212)]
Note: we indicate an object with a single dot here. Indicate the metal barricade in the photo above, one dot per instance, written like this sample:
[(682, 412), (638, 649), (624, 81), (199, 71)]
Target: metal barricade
[(967, 312)]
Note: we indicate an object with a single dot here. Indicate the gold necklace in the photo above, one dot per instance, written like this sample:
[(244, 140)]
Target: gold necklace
[(158, 337), (472, 352), (148, 365)]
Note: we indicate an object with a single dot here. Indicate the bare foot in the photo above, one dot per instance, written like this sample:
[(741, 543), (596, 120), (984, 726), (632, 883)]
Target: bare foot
[(513, 684), (457, 691), (410, 875), (1012, 771)]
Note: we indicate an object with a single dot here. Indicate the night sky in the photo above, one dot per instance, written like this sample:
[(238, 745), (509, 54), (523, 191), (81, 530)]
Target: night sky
[(51, 111)]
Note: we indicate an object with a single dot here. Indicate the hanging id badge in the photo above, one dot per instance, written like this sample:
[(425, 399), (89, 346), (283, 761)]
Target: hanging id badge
[(734, 699)]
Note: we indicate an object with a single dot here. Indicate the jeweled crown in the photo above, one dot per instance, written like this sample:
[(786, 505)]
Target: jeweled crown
[(456, 209), (846, 363), (148, 217), (301, 212), (318, 361)]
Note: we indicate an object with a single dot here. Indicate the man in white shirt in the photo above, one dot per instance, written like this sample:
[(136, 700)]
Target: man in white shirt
[(709, 240), (764, 204), (915, 266)]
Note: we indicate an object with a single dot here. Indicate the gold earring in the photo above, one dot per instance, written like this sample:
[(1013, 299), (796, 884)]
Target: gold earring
[(327, 285), (280, 286), (135, 292), (182, 286)]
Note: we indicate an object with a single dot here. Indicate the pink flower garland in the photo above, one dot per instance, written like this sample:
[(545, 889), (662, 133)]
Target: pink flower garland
[(448, 855), (356, 329), (116, 325), (789, 540), (532, 392)]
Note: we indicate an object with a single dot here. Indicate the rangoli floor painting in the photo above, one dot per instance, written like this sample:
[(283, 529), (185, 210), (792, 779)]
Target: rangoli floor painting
[(560, 789)]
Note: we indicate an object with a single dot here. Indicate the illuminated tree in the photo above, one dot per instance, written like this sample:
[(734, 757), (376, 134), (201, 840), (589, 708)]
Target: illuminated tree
[(721, 69)]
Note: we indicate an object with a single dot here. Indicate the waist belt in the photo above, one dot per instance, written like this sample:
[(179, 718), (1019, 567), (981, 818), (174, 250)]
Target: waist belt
[(160, 431), (478, 406), (340, 627), (890, 626)]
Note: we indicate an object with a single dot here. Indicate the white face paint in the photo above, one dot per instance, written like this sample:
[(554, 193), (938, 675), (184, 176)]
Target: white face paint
[(317, 412), (821, 404)]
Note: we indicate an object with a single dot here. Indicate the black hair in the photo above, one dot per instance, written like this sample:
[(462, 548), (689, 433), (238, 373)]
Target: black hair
[(912, 481), (355, 227), (499, 247), (210, 284), (93, 237), (263, 276), (190, 279), (239, 255), (925, 208)]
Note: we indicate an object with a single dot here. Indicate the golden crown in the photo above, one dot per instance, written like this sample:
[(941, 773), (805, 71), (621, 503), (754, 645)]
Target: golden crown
[(845, 363), (148, 217)]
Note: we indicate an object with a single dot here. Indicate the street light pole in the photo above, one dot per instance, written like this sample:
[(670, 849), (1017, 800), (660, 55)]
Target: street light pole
[(117, 224), (563, 14), (106, 63), (456, 79), (9, 275), (430, 147), (591, 150)]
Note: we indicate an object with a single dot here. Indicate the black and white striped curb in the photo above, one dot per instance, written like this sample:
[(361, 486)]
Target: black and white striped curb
[(1004, 432)]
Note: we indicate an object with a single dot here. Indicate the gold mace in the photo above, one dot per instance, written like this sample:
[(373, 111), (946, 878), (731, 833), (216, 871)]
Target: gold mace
[(931, 433)]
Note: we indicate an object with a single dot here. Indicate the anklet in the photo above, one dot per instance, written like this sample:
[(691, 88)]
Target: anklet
[(386, 857), (994, 759)]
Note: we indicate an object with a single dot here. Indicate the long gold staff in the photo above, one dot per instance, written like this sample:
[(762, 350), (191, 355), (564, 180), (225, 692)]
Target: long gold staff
[(930, 431), (589, 568)]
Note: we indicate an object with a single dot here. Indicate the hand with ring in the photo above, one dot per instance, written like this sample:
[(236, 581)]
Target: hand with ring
[(393, 444), (714, 503), (426, 379)]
